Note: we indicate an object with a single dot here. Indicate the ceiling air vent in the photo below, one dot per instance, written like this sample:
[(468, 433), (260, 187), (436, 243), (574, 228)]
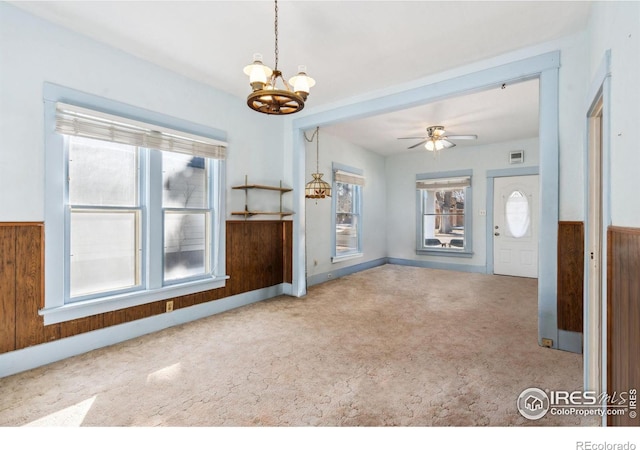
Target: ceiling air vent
[(516, 157)]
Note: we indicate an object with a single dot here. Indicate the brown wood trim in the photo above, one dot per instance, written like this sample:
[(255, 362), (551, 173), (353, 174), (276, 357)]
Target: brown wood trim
[(287, 251), (570, 276), (624, 230), (7, 289), (623, 315), (21, 224), (29, 284)]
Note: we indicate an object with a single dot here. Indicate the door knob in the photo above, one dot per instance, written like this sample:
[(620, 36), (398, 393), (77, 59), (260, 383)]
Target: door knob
[(496, 234)]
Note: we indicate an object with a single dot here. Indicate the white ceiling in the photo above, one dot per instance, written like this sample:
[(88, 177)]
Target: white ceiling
[(349, 47)]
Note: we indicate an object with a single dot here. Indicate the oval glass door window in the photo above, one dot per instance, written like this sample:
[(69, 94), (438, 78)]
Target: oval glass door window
[(518, 214)]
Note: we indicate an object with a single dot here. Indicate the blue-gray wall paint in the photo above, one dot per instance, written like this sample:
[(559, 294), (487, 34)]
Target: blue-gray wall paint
[(328, 276)]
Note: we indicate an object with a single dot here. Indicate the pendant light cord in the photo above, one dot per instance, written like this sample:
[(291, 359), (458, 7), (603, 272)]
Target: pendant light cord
[(315, 134), (276, 32)]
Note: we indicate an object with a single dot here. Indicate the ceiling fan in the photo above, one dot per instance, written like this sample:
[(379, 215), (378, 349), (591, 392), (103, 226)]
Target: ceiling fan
[(437, 138)]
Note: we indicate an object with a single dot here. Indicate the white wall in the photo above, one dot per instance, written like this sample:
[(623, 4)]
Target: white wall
[(572, 87), (401, 174), (616, 26), (318, 212), (33, 51)]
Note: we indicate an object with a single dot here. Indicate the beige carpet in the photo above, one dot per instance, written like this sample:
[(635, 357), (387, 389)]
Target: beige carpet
[(390, 346)]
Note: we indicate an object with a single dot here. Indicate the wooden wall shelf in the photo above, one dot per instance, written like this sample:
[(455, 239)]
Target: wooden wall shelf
[(248, 212)]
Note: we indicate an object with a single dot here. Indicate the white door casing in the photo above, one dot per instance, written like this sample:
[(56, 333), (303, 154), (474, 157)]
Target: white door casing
[(515, 220)]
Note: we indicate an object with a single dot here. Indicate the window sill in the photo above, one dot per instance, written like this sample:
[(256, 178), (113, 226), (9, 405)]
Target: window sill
[(77, 310), (337, 259), (445, 252)]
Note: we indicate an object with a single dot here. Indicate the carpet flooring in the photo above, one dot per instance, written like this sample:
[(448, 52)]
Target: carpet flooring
[(390, 346)]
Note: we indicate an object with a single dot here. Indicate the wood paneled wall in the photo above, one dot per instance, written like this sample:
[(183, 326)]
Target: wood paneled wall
[(258, 255), (21, 285), (570, 276), (623, 316)]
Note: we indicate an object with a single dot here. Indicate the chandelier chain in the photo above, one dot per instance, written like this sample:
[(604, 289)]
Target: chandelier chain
[(276, 32), (316, 135), (317, 149)]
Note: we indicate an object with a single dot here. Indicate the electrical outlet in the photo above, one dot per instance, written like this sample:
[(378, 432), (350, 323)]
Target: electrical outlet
[(169, 306), (546, 342)]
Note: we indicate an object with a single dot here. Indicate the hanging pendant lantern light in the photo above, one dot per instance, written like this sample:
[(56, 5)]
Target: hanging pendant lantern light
[(317, 188)]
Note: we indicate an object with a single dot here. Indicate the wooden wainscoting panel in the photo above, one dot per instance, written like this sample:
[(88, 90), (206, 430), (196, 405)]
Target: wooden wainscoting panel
[(254, 255), (570, 276), (287, 251), (29, 285), (258, 255), (7, 288), (83, 325), (623, 315)]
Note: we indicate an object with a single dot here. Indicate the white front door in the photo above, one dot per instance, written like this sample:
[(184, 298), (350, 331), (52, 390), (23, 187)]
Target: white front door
[(515, 221)]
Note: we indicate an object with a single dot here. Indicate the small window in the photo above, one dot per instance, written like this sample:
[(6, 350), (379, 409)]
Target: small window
[(347, 205), (518, 215), (443, 205)]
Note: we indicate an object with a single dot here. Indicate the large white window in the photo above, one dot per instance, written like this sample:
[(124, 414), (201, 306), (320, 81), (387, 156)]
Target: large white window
[(444, 221), (347, 212), (139, 217)]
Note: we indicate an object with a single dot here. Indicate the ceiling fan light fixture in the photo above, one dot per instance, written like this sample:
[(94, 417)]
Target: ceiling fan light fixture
[(437, 139), (437, 144)]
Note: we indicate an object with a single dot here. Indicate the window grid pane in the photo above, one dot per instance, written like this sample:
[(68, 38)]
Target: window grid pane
[(443, 219), (346, 233), (102, 173), (346, 198), (104, 251), (184, 181), (185, 244), (347, 219)]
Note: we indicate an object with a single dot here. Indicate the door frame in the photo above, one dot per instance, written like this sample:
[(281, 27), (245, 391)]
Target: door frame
[(595, 312), (545, 67), (491, 176)]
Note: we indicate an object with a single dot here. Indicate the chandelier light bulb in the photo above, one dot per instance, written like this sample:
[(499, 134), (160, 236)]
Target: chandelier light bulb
[(258, 72), (302, 83)]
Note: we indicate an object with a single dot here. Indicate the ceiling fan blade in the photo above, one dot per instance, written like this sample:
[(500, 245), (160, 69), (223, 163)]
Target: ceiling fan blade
[(413, 137), (461, 136), (447, 144), (419, 143)]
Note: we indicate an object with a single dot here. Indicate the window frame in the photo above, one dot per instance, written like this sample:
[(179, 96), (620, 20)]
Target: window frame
[(58, 306), (343, 256), (467, 250)]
